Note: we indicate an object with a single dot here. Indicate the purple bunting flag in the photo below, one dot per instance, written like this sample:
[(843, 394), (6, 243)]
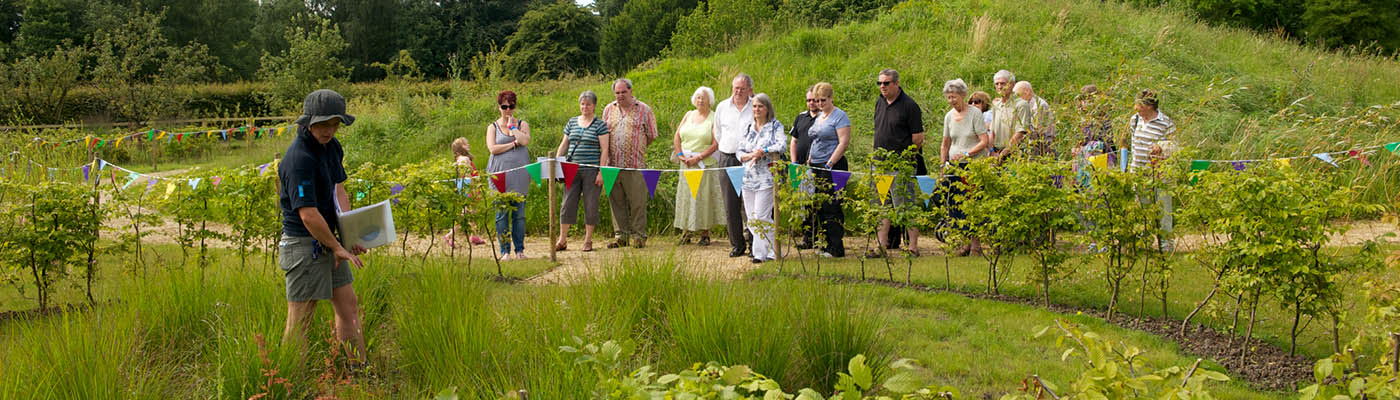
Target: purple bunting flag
[(652, 177), (839, 179)]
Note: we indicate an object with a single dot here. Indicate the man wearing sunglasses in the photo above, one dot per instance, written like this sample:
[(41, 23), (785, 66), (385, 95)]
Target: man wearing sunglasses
[(899, 124)]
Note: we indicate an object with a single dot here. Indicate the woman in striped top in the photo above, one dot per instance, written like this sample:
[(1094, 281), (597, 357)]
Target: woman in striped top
[(585, 142)]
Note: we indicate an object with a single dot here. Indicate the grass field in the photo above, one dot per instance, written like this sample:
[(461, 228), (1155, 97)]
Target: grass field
[(186, 332)]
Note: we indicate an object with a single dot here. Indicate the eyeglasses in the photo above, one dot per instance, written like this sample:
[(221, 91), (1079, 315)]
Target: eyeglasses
[(507, 106), (976, 102), (884, 83), (811, 100), (820, 100)]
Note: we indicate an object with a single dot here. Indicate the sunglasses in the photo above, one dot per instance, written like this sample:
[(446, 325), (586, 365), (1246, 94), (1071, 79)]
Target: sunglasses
[(977, 102), (884, 83), (507, 106), (811, 100)]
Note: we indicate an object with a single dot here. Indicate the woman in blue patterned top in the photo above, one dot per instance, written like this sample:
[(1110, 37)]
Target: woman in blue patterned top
[(765, 139), (584, 143)]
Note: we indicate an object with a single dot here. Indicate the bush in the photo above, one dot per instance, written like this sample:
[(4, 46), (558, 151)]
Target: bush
[(719, 25), (311, 63), (641, 31), (551, 41)]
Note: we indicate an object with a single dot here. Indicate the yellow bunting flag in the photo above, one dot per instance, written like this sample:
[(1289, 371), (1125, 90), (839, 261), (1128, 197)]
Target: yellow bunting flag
[(882, 184), (161, 136), (119, 142), (1283, 162), (692, 179), (279, 131), (1100, 161), (169, 189)]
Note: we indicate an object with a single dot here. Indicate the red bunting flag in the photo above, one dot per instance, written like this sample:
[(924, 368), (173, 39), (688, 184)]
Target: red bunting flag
[(499, 180), (569, 170)]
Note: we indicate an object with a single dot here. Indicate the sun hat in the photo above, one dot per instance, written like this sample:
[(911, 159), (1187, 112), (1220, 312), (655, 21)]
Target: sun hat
[(322, 105)]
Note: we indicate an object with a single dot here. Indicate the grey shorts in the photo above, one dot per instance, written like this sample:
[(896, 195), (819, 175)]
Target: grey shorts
[(903, 190), (309, 275)]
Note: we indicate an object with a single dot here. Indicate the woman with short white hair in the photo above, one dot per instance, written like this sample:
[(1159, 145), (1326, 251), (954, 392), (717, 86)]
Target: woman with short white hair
[(964, 139), (692, 147)]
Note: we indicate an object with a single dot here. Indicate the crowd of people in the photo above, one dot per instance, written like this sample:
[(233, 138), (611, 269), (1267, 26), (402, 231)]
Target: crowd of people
[(744, 130)]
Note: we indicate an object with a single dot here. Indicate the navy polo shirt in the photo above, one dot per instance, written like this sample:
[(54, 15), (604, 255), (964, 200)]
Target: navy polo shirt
[(308, 175), (800, 126), (895, 126)]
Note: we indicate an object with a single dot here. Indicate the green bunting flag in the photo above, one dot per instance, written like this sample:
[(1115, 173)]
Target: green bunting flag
[(609, 177), (1198, 165), (534, 170), (795, 173), (1393, 146)]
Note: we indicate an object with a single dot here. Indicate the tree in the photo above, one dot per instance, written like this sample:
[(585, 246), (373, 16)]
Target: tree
[(609, 8), (222, 25), (42, 82), (49, 24), (719, 25), (136, 65), (311, 62), (640, 31), (1335, 23), (551, 41), (825, 13), (10, 12), (273, 19)]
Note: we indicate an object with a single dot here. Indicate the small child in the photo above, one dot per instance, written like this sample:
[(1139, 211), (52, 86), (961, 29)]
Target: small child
[(462, 156)]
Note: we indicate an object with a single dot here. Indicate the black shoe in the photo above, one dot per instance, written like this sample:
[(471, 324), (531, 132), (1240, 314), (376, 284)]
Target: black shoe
[(804, 245), (735, 253), (755, 261)]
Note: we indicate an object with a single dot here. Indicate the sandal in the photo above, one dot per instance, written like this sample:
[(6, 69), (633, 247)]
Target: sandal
[(873, 253), (704, 241), (561, 246), (617, 244), (913, 253), (587, 247)]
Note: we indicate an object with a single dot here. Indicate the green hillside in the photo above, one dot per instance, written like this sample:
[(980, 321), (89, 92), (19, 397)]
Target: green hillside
[(1213, 79)]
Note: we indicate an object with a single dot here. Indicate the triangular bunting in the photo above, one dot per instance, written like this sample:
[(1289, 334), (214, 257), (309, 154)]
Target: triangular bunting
[(262, 169), (1237, 165), (796, 173), (534, 170), (1200, 165), (86, 170), (1393, 147), (101, 143), (652, 177), (499, 180), (926, 185), (1100, 161), (118, 144), (1326, 157), (1123, 159), (194, 183), (693, 178), (839, 179), (736, 178), (882, 185), (570, 169), (609, 178), (130, 179), (217, 180), (169, 189), (394, 192), (1283, 162)]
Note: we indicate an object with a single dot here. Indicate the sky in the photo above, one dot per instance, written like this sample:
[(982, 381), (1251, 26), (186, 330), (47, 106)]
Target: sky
[(583, 2)]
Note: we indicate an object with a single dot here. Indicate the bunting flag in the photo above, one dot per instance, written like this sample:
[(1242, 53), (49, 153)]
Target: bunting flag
[(1100, 161), (394, 192), (609, 178), (101, 143), (169, 189), (194, 183), (1327, 158), (1393, 147), (499, 179), (161, 135), (217, 180), (101, 165), (150, 184), (926, 184), (86, 169), (534, 170), (652, 176), (1123, 160), (179, 136), (359, 196), (129, 179), (119, 142), (736, 178), (795, 174), (692, 179), (150, 135), (839, 179), (262, 169), (882, 185), (570, 169), (1237, 165), (1200, 165)]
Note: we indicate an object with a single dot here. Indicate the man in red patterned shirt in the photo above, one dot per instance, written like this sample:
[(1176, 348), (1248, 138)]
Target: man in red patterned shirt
[(633, 127)]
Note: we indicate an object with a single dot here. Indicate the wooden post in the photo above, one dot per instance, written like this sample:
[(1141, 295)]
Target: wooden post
[(549, 168)]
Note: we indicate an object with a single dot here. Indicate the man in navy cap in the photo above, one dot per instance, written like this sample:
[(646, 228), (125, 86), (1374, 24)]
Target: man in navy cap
[(317, 266)]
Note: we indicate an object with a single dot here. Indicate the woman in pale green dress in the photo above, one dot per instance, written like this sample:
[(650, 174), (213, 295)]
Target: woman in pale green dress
[(692, 147)]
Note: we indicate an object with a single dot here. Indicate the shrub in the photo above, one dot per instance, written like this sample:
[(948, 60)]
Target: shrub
[(312, 62)]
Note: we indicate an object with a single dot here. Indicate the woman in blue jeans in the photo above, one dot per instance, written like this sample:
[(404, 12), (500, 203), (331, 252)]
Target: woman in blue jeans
[(506, 138)]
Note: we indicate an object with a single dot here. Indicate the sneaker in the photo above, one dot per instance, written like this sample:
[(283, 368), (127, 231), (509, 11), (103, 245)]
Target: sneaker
[(477, 240), (824, 254)]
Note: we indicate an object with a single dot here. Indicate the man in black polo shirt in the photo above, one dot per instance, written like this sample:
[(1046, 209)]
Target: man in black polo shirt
[(317, 267), (800, 144), (899, 124)]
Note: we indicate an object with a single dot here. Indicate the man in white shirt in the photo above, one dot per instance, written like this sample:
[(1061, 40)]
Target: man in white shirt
[(732, 118)]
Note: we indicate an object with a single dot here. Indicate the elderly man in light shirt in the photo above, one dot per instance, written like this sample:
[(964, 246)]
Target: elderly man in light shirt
[(1010, 116), (732, 119)]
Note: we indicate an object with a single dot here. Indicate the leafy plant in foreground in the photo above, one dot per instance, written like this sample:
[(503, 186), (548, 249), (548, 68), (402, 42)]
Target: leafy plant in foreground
[(1115, 372)]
